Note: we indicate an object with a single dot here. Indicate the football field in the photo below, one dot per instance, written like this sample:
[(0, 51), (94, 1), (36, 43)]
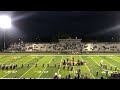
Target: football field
[(47, 72)]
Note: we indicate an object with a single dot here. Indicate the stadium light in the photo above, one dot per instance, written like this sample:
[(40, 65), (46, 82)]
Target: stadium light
[(5, 23)]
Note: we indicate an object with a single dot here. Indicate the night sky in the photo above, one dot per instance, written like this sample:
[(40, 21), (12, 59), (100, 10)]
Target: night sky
[(88, 25)]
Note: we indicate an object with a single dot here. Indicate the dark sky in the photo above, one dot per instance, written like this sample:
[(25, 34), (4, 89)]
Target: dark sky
[(88, 25)]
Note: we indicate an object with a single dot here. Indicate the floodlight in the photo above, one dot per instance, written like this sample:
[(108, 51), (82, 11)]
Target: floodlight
[(5, 22)]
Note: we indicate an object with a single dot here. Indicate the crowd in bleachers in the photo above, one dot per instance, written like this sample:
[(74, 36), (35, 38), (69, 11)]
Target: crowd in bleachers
[(64, 47), (16, 47), (78, 47), (101, 47)]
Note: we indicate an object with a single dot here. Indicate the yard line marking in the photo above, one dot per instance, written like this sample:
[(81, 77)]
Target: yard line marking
[(88, 68), (21, 58), (114, 59), (6, 60), (15, 61), (72, 55), (46, 67), (60, 64), (94, 61), (15, 69), (73, 67), (110, 63), (98, 65), (106, 61), (31, 67), (27, 78)]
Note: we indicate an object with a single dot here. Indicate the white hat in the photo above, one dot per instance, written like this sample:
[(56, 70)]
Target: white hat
[(55, 73), (59, 76)]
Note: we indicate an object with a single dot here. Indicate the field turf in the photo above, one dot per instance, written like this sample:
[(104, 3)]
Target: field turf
[(39, 72)]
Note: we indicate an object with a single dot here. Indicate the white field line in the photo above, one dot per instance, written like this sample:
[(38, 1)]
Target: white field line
[(15, 61), (71, 55), (60, 65), (44, 78), (98, 64), (88, 68), (107, 61), (6, 60), (21, 59), (45, 67), (114, 59), (32, 67), (15, 69), (110, 63), (26, 78), (73, 67), (95, 62)]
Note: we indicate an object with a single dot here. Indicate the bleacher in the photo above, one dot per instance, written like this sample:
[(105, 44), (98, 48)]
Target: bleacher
[(66, 45)]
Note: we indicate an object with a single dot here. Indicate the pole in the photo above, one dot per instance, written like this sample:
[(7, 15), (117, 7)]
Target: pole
[(4, 39)]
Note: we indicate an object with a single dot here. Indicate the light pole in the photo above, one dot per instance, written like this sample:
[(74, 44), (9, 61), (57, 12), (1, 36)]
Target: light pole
[(5, 23), (4, 39)]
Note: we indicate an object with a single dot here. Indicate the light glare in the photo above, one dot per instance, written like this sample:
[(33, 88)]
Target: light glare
[(5, 22)]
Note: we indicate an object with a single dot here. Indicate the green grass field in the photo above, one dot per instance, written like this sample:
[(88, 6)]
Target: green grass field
[(39, 72)]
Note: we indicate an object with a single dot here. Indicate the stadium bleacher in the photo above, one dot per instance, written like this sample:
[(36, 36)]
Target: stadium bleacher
[(65, 45)]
